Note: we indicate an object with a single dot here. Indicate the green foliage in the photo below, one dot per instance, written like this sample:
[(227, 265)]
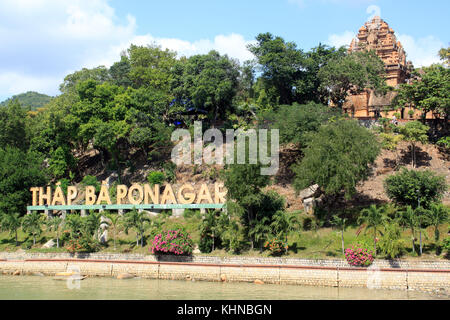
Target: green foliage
[(444, 143), (32, 224), (350, 74), (61, 162), (156, 177), (296, 122), (408, 187), (337, 157), (373, 218), (430, 93), (30, 100), (280, 63), (19, 171), (437, 215), (55, 224), (138, 221), (11, 222), (13, 129), (91, 181), (391, 244)]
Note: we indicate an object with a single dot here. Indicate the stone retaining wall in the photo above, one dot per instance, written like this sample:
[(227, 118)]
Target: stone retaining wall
[(424, 275)]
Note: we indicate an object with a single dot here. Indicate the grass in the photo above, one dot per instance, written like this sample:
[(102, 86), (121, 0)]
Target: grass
[(322, 243)]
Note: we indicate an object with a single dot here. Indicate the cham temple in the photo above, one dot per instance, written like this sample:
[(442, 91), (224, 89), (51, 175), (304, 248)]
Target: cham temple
[(376, 35)]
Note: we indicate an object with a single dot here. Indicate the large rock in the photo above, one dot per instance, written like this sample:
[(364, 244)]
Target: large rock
[(308, 192), (103, 237), (104, 223), (124, 276), (309, 205), (49, 244)]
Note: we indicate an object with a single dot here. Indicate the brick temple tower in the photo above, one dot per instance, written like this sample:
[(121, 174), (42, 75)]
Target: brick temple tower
[(376, 35)]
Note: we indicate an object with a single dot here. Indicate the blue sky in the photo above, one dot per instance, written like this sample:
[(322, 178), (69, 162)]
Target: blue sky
[(44, 40)]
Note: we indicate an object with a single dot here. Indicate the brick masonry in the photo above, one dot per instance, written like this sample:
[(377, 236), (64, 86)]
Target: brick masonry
[(383, 274)]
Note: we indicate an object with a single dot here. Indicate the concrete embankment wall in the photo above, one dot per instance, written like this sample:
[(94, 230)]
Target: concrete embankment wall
[(383, 274)]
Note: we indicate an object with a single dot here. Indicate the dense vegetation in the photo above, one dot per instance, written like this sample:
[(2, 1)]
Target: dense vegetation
[(126, 114), (30, 100)]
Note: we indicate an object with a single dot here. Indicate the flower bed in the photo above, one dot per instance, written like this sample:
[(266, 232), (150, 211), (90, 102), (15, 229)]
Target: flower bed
[(358, 256), (176, 242)]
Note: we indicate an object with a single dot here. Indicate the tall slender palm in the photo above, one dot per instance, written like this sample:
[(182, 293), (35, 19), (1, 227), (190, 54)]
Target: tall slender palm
[(54, 224), (409, 219), (138, 221), (341, 224), (437, 215), (32, 224), (261, 231), (373, 217), (115, 221), (11, 222)]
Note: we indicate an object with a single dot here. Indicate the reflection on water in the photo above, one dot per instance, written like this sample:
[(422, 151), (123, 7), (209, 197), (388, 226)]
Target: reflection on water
[(46, 288)]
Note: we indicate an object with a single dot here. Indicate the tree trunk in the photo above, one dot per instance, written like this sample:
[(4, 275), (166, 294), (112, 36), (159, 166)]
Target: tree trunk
[(342, 240), (17, 243), (213, 241), (114, 239), (420, 234), (375, 241)]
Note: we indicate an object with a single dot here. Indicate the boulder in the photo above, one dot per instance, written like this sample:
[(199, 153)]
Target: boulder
[(196, 250), (103, 237), (124, 276), (105, 223), (309, 205), (16, 273), (308, 192), (49, 244), (257, 281), (223, 278)]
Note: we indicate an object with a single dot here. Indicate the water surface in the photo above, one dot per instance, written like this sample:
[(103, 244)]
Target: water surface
[(46, 288)]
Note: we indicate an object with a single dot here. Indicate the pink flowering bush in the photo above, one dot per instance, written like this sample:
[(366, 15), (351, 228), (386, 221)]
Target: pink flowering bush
[(175, 242), (358, 256)]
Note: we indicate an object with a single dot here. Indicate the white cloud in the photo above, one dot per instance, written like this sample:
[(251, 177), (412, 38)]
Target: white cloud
[(422, 51), (341, 39), (44, 40)]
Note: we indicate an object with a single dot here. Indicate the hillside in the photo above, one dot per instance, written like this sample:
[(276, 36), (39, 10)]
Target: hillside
[(30, 100)]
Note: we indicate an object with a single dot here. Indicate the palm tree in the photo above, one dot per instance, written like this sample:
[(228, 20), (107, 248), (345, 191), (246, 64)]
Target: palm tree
[(138, 221), (115, 221), (260, 230), (373, 217), (75, 224), (410, 219), (32, 224), (437, 215), (11, 222), (54, 224), (341, 224)]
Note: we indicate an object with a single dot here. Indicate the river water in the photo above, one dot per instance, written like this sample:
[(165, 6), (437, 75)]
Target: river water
[(47, 288)]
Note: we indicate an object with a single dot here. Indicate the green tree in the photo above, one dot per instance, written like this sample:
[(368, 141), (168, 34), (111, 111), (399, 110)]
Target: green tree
[(431, 93), (19, 171), (116, 220), (32, 224), (281, 66), (437, 215), (391, 244), (296, 122), (11, 222), (13, 129), (373, 218), (208, 82), (414, 132), (351, 74), (409, 218), (415, 188), (54, 224), (337, 157), (138, 221)]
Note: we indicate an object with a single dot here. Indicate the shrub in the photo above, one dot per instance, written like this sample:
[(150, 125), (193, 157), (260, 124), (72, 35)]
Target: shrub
[(156, 177), (171, 242), (446, 245), (83, 244), (358, 256), (276, 247), (91, 181)]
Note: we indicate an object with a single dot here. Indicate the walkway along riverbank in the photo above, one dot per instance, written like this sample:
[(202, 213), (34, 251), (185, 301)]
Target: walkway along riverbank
[(383, 274)]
